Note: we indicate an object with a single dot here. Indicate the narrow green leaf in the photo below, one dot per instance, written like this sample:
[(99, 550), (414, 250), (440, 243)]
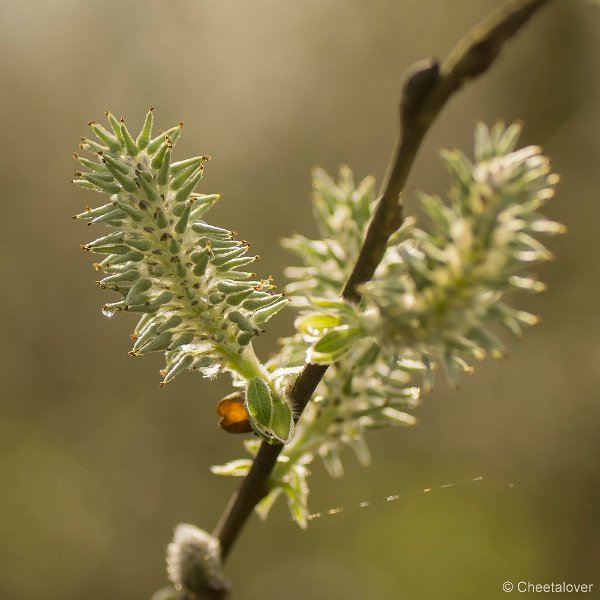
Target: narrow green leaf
[(334, 344), (259, 402), (316, 322), (282, 421)]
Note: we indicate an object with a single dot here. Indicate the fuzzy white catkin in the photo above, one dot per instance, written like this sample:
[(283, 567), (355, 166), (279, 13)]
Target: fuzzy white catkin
[(194, 561)]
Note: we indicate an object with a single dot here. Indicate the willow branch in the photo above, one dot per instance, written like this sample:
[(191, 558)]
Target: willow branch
[(256, 484), (427, 88)]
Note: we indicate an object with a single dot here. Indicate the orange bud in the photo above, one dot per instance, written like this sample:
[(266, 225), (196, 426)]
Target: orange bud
[(233, 415)]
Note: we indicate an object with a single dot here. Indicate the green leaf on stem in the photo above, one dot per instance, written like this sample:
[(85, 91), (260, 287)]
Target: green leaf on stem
[(335, 344), (282, 422), (259, 403)]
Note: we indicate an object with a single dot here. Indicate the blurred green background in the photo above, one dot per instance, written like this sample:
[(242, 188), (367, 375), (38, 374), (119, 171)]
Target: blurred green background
[(97, 464)]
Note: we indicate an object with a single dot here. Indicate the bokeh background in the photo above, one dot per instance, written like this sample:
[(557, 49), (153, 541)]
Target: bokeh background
[(97, 464)]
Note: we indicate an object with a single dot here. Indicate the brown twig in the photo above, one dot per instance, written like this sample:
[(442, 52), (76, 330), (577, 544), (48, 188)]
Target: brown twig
[(427, 88)]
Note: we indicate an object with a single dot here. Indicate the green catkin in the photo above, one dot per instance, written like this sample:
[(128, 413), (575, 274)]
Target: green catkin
[(164, 261), (432, 304)]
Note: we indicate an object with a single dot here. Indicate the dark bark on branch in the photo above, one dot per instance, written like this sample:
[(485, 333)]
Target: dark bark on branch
[(428, 87), (255, 485)]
